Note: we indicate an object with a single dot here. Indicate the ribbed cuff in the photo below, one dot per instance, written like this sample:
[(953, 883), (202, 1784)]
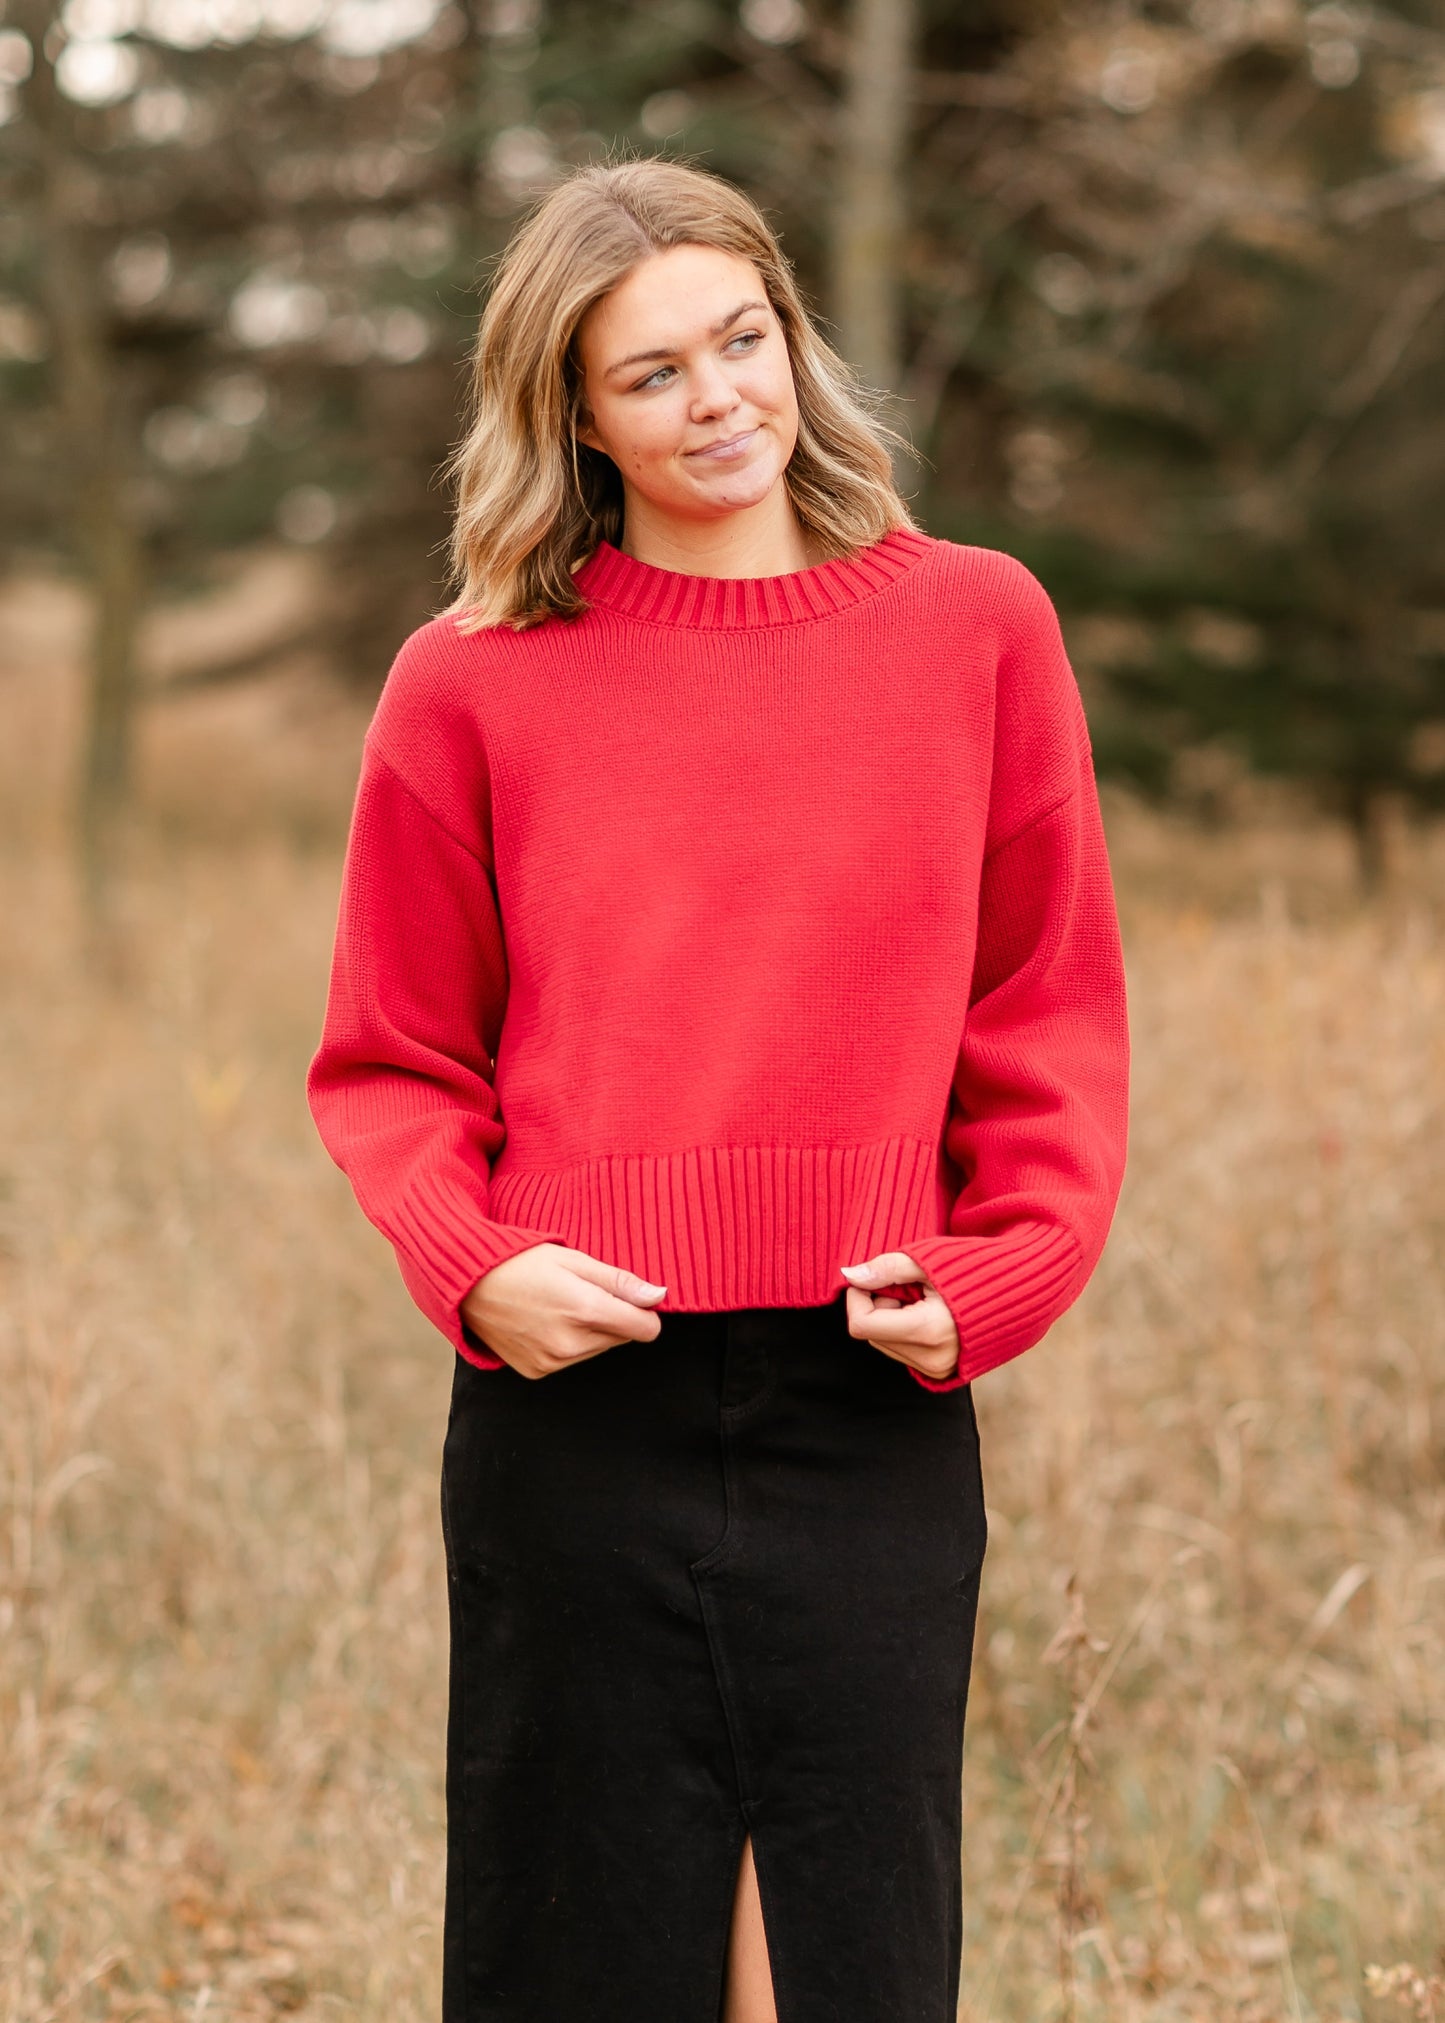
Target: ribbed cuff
[(444, 1245), (1004, 1292)]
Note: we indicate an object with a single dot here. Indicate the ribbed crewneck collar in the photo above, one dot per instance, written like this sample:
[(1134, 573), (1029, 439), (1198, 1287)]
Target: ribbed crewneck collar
[(669, 597)]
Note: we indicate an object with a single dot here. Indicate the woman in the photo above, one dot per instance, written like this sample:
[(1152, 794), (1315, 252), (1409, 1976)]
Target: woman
[(727, 1028)]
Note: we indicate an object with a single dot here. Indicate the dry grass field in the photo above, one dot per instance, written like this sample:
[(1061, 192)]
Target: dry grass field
[(1206, 1761)]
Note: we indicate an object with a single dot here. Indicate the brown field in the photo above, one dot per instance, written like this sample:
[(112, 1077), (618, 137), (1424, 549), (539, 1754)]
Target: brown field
[(222, 1607)]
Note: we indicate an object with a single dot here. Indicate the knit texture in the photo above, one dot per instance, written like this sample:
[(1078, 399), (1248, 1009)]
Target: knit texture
[(734, 931)]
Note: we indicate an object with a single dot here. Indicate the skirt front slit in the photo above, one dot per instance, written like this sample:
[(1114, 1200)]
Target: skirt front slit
[(717, 1584)]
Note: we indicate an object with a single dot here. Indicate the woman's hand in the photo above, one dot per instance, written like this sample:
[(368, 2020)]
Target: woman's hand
[(549, 1306), (922, 1334)]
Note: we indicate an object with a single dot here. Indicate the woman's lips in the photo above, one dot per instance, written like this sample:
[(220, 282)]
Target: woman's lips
[(731, 446)]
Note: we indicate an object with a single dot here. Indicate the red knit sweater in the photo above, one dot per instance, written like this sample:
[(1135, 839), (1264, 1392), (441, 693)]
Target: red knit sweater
[(734, 931)]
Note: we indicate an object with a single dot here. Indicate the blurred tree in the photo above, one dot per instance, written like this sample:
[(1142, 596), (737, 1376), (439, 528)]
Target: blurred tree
[(1204, 371), (187, 379), (1161, 292), (870, 205), (92, 443)]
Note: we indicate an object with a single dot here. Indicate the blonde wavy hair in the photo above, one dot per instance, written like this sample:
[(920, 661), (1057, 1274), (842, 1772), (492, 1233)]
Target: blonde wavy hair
[(532, 503)]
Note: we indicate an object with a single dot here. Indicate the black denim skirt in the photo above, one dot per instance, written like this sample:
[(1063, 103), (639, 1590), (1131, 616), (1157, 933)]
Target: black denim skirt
[(717, 1584)]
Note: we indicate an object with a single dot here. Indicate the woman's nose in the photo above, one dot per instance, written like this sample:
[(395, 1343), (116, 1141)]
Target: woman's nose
[(713, 391)]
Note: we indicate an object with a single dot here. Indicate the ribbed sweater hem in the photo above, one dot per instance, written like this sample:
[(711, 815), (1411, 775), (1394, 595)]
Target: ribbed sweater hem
[(751, 1226), (721, 1227), (737, 1225)]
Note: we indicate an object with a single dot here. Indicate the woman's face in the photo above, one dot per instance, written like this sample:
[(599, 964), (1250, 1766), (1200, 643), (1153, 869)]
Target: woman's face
[(687, 383)]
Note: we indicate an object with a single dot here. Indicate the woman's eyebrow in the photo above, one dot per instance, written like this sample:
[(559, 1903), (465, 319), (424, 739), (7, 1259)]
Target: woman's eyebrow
[(669, 351)]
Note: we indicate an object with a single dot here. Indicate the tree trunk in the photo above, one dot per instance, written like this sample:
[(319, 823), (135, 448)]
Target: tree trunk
[(1376, 816), (508, 35), (870, 216), (105, 787), (93, 455)]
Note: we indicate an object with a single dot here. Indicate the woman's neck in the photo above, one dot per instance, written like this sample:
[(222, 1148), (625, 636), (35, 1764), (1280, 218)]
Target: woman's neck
[(767, 539)]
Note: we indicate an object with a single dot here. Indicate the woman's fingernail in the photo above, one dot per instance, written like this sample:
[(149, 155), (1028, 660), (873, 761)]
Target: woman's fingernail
[(857, 1270), (650, 1289)]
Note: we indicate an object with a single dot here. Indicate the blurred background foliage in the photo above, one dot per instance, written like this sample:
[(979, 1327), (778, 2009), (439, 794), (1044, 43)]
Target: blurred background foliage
[(1159, 287)]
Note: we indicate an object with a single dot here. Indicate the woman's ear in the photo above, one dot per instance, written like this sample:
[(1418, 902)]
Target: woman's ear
[(584, 431)]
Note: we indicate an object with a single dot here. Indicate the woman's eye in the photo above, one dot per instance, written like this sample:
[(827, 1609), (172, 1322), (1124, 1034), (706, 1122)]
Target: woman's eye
[(750, 338)]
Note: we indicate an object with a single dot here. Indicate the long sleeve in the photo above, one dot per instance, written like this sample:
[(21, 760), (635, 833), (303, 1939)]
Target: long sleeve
[(1037, 1119), (400, 1085)]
